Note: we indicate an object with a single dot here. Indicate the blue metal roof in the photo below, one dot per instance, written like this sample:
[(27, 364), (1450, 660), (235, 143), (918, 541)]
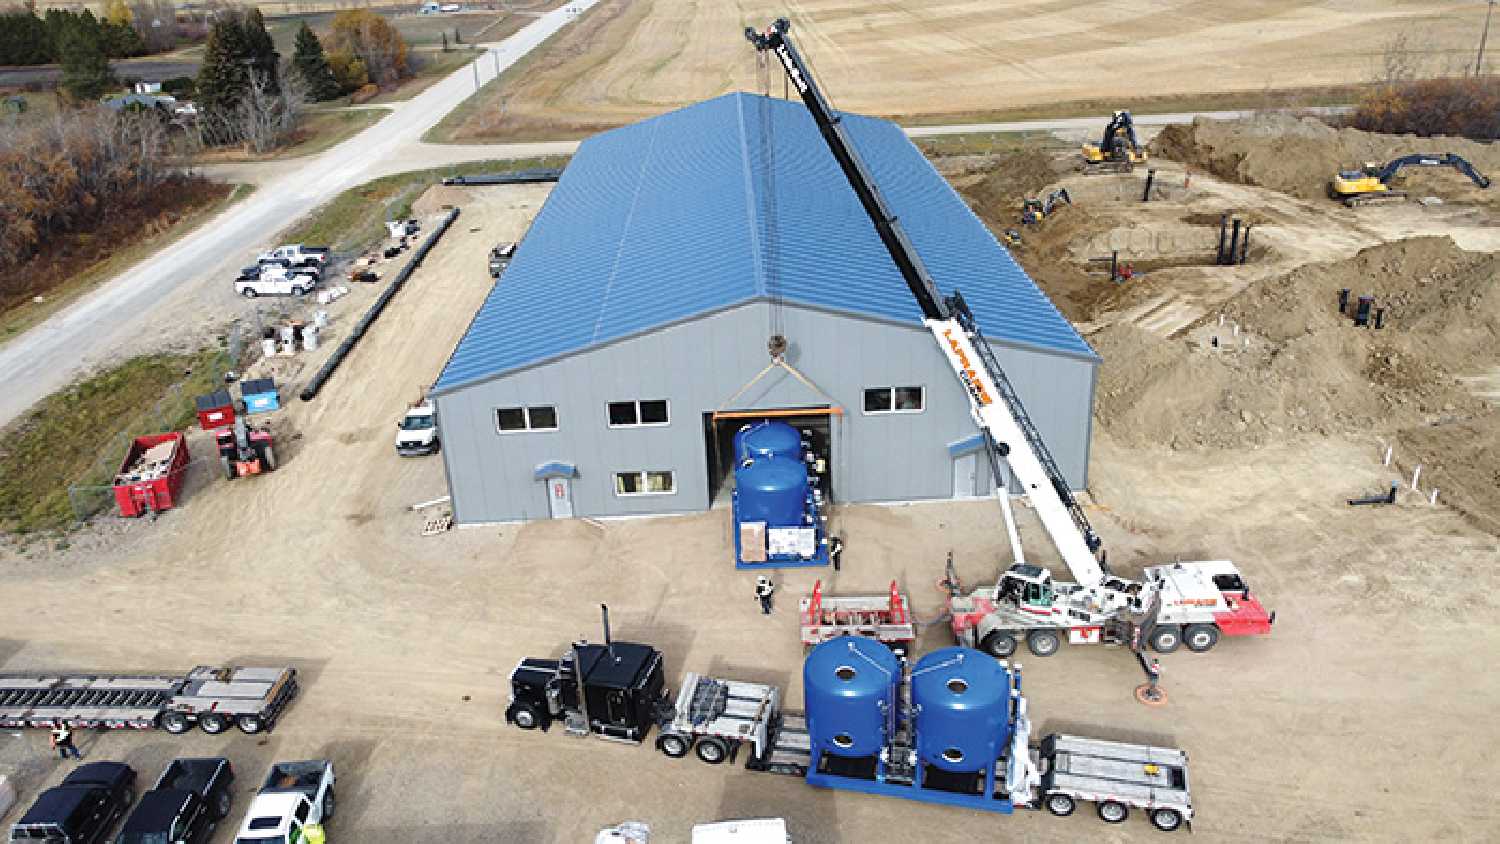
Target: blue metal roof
[(727, 201)]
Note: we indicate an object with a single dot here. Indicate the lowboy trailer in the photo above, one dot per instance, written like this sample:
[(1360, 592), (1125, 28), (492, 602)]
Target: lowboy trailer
[(249, 698)]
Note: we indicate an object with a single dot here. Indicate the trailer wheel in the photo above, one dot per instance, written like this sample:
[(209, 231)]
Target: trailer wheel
[(1113, 811), (999, 644), (1166, 820), (524, 716), (175, 723), (250, 724), (1043, 642), (1200, 637), (1061, 805), (1166, 639), (213, 723), (712, 750), (674, 745)]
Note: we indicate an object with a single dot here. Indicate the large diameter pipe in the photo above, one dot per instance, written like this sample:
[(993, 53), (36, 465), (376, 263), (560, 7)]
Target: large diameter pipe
[(326, 371)]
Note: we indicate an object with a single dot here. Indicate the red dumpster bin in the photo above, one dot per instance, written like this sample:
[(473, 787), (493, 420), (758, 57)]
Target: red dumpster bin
[(151, 475)]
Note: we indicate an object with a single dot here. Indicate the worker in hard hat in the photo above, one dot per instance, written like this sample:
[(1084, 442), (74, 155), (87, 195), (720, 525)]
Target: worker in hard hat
[(764, 589)]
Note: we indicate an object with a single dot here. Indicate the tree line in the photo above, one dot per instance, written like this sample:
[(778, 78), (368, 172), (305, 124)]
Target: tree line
[(125, 30)]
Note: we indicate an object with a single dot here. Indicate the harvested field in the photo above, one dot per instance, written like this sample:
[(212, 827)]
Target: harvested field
[(628, 60)]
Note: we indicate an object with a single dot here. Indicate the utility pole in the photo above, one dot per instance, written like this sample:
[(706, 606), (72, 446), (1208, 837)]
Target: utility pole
[(1484, 36)]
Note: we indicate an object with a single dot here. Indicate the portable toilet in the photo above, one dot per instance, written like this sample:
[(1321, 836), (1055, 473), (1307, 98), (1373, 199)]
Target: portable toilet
[(260, 395)]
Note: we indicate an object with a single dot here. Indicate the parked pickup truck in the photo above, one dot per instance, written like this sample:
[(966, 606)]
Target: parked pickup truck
[(500, 257), (297, 253), (416, 433), (288, 267), (296, 795), (81, 809), (273, 281), (185, 805)]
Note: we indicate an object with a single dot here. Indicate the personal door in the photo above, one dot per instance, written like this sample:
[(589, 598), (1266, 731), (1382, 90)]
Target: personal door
[(965, 475), (560, 498)]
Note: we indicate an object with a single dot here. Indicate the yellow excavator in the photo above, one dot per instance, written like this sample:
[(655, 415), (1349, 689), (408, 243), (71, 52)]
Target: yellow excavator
[(1118, 151), (1372, 183)]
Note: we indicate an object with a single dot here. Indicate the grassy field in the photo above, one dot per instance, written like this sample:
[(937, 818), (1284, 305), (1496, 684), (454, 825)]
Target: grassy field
[(932, 60), (30, 312), (355, 218), (64, 439), (432, 66)]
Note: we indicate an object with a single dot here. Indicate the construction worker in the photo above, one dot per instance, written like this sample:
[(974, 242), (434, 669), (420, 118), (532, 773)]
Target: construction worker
[(764, 589), (62, 742)]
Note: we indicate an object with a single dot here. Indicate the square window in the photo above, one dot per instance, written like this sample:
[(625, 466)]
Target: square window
[(909, 398), (660, 482), (543, 418), (622, 413), (627, 483), (878, 400), (511, 419), (654, 412)]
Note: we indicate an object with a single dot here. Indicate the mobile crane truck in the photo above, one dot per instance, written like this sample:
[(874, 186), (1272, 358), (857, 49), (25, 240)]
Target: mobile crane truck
[(1199, 601)]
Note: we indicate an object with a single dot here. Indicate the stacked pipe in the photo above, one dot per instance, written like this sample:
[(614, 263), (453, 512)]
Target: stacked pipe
[(1364, 313), (1237, 249), (511, 177), (326, 371)]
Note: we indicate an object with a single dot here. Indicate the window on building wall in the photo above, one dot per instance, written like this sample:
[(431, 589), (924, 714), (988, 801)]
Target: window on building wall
[(536, 418), (895, 399), (645, 483), (630, 414)]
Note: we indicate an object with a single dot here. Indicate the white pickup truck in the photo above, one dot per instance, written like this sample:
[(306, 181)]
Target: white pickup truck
[(296, 795), (416, 433), (271, 280), (297, 253)]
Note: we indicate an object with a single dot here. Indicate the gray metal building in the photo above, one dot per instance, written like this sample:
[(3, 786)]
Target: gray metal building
[(608, 369)]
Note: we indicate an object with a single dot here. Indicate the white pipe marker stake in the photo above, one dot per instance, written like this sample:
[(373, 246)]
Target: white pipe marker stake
[(1415, 473), (1433, 499), (1387, 456)]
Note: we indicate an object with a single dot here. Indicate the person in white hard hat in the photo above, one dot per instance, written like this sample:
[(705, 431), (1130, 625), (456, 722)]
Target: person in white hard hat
[(764, 589), (62, 742)]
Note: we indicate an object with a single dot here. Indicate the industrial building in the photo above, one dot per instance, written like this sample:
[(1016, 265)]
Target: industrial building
[(632, 334)]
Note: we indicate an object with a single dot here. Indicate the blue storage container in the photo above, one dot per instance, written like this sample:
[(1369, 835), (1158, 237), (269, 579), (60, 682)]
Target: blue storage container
[(260, 395), (767, 439), (962, 700), (771, 490), (850, 689)]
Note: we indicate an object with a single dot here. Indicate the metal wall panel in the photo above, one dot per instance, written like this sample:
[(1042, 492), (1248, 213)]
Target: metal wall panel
[(697, 366)]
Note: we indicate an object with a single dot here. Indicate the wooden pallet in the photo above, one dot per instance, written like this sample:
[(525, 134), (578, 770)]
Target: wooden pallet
[(437, 524)]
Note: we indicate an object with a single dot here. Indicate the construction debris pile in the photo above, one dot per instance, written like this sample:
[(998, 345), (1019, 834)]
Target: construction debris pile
[(153, 464), (1298, 155)]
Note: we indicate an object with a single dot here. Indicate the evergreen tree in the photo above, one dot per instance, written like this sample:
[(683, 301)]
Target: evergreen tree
[(85, 67), (261, 50), (311, 64), (223, 76)]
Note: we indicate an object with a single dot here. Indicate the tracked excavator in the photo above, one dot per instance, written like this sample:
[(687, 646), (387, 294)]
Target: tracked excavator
[(1371, 184), (1118, 151)]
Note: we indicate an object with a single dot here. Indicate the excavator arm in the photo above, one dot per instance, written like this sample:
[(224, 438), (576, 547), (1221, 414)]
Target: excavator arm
[(1457, 162)]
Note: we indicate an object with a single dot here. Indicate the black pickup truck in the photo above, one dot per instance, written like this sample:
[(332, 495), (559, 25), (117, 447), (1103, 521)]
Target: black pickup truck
[(187, 803), (81, 809)]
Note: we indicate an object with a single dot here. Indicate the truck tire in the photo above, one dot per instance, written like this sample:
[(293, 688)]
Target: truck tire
[(175, 723), (222, 804), (228, 467), (673, 745), (250, 724), (269, 459), (1060, 804), (298, 290), (1166, 638), (1166, 820), (1113, 811), (1200, 637), (249, 293), (999, 644), (213, 723), (712, 750), (329, 804), (1043, 643), (524, 716)]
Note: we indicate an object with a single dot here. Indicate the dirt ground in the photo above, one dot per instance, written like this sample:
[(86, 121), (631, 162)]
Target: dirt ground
[(628, 60), (1365, 716)]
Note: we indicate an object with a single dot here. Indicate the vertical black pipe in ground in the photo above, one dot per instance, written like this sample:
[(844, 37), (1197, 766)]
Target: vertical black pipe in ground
[(1234, 242), (318, 380), (1223, 226), (1245, 244), (1379, 318), (1362, 311), (1150, 177), (1344, 300), (1114, 263)]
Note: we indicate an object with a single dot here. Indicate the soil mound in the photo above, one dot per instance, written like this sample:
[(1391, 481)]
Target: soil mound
[(1299, 155), (1308, 369)]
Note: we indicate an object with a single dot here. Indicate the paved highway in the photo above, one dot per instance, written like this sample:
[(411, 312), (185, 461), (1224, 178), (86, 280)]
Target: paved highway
[(49, 356)]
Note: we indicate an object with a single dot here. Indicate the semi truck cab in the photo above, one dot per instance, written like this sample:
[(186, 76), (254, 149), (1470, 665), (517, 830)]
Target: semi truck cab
[(613, 690)]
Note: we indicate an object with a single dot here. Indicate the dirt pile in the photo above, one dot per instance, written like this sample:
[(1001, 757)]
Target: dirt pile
[(1307, 368), (1299, 155)]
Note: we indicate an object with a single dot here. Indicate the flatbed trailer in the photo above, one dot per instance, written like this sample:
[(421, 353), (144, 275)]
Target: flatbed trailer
[(1116, 777), (883, 617), (213, 697), (715, 717)]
